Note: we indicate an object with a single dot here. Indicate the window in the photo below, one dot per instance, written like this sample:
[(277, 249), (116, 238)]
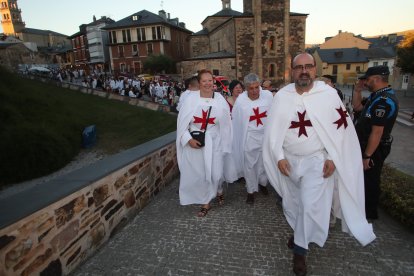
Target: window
[(122, 67), (376, 63), (149, 48), (135, 50), (126, 36), (385, 63), (154, 34), (216, 72), (112, 37), (272, 69), (120, 51), (141, 34), (271, 44), (348, 67), (405, 78), (358, 69), (334, 69), (134, 18)]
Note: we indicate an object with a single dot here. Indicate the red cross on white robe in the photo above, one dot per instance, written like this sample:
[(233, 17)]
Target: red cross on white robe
[(301, 124), (258, 116), (202, 121), (342, 121)]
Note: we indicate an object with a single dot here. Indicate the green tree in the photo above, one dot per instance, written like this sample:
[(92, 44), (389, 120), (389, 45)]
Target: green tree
[(159, 64), (405, 54)]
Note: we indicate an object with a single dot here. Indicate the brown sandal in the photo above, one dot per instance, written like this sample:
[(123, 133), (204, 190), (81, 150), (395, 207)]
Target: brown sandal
[(220, 199), (203, 212)]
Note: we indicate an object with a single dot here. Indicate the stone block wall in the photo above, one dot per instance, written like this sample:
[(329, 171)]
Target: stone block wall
[(57, 238), (226, 66), (244, 46), (223, 37), (199, 45)]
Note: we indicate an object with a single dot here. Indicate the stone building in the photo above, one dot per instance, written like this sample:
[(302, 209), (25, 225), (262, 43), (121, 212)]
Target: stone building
[(261, 40), (89, 45), (11, 18), (136, 37)]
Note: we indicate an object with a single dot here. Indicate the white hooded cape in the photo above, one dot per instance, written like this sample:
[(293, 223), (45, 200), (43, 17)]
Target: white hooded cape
[(202, 169), (341, 144)]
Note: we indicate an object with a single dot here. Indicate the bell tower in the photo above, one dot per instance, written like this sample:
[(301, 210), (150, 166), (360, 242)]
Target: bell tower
[(226, 4), (11, 17)]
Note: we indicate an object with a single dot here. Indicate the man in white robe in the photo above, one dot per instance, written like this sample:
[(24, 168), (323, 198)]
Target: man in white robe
[(191, 85), (202, 169), (309, 137), (249, 119)]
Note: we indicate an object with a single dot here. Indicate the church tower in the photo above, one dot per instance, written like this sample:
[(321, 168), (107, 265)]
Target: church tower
[(11, 18), (270, 38), (226, 4)]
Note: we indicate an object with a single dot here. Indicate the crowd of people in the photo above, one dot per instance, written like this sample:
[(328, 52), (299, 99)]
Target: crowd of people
[(300, 139)]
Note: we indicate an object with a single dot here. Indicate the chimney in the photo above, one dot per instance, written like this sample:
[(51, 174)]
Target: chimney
[(340, 31), (182, 25), (94, 18), (168, 16)]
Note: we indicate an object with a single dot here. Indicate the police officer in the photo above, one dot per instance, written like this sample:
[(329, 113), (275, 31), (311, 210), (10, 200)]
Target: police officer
[(374, 126)]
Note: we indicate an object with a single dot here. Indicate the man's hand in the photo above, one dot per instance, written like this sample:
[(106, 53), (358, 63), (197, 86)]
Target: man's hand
[(359, 86), (368, 164), (194, 144), (284, 167), (328, 168)]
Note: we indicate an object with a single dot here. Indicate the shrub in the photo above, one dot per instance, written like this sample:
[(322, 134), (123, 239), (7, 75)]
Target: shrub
[(397, 195)]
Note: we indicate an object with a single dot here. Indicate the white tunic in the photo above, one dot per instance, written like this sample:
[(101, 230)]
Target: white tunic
[(249, 120), (202, 169), (337, 134)]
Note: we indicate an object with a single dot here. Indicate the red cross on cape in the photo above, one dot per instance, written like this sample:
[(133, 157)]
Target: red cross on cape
[(258, 116), (301, 124), (342, 120), (202, 121)]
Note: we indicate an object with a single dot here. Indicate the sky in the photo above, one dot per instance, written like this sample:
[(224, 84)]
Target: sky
[(325, 19)]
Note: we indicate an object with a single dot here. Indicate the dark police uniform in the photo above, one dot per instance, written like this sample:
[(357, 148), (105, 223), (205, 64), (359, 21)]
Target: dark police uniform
[(381, 109)]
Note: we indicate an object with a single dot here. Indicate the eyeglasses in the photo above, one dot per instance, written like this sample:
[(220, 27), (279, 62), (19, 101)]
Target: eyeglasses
[(300, 67)]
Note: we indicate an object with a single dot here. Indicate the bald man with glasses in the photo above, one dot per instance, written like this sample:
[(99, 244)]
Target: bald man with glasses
[(309, 141)]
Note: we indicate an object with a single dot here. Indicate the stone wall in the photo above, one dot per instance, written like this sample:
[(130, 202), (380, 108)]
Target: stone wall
[(199, 45), (244, 46), (55, 238), (223, 38), (112, 96), (297, 35), (225, 66)]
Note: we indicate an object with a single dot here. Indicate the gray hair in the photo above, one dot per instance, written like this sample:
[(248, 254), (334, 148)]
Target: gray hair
[(251, 78)]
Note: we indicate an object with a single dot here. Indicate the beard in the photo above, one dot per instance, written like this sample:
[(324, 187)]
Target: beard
[(304, 80)]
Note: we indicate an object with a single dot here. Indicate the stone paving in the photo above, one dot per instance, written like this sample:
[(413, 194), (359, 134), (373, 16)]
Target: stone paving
[(239, 239)]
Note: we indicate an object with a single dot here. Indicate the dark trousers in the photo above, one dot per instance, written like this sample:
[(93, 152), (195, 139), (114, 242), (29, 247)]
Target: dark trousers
[(372, 178)]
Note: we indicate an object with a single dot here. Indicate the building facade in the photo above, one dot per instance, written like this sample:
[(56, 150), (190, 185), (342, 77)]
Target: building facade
[(11, 18), (134, 38), (261, 39), (89, 45)]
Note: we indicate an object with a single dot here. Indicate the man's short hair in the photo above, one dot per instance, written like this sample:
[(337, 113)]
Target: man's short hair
[(251, 78)]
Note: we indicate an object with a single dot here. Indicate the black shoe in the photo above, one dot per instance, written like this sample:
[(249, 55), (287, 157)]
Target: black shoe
[(299, 264), (250, 198), (263, 190)]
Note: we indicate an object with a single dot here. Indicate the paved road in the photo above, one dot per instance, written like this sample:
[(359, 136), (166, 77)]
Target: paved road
[(239, 239)]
